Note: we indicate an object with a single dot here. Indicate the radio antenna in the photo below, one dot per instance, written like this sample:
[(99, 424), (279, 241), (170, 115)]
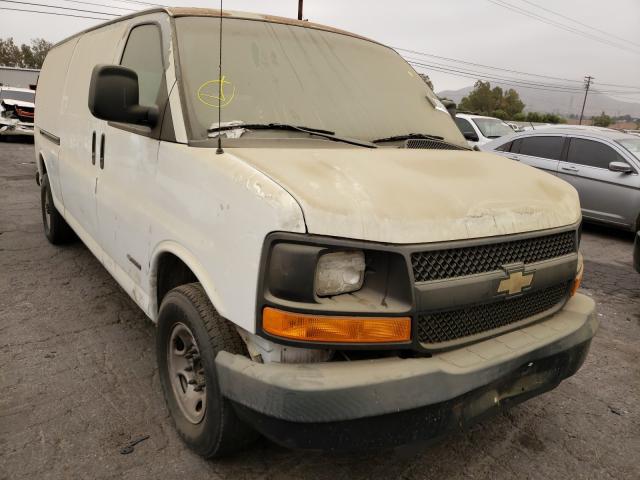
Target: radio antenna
[(219, 150)]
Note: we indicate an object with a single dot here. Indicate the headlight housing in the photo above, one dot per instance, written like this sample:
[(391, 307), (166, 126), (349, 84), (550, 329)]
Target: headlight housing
[(328, 276), (339, 272)]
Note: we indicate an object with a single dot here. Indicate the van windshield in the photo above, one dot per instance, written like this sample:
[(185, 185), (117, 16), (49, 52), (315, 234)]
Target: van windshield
[(287, 74)]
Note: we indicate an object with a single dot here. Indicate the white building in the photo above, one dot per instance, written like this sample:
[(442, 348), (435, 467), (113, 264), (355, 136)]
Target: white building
[(19, 77)]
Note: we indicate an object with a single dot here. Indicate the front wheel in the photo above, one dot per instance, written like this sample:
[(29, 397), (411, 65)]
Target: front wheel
[(190, 335)]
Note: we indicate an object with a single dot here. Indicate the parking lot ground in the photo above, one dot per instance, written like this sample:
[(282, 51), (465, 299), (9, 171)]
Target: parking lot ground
[(78, 379)]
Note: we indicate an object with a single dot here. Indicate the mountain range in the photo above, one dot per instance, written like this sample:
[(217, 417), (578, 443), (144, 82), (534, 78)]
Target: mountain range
[(560, 102)]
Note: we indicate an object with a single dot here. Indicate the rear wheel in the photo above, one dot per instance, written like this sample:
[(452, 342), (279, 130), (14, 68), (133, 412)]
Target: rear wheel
[(190, 335), (56, 228)]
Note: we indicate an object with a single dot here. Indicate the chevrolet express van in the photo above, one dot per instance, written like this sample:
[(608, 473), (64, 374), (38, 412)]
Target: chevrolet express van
[(327, 262)]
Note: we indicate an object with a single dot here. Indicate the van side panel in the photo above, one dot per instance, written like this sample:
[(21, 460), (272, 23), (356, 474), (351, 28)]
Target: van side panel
[(77, 170), (47, 114)]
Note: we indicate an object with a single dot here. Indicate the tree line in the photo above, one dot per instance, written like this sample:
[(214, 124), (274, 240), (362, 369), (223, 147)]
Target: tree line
[(505, 105), (23, 56)]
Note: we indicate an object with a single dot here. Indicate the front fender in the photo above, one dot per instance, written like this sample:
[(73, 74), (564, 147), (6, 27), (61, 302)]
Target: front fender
[(194, 265)]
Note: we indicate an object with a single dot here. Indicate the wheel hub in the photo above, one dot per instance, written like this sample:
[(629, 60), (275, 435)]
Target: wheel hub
[(186, 373)]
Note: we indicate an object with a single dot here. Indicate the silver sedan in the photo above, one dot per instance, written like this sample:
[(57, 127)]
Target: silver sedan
[(602, 164)]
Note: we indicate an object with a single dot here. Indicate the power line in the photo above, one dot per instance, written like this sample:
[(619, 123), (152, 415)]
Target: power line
[(518, 72), (517, 82), (510, 79), (614, 92), (617, 85), (61, 8), (99, 5), (502, 82), (51, 13), (578, 22), (485, 66), (143, 3), (562, 26)]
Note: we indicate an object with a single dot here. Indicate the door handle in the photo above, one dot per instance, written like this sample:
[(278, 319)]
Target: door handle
[(569, 169), (102, 151), (93, 148), (514, 157)]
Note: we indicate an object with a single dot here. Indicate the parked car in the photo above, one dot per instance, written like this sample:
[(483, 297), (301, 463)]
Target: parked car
[(16, 111), (319, 272), (479, 130), (515, 127), (633, 132), (602, 164)]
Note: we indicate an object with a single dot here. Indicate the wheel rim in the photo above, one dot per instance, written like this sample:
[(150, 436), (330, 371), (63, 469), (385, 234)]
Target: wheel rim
[(186, 373)]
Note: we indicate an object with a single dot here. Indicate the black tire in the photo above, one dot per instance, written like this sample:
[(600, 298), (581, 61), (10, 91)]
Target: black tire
[(56, 228), (219, 432)]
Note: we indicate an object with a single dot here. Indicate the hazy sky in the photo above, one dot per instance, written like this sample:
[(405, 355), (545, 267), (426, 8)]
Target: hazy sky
[(473, 30)]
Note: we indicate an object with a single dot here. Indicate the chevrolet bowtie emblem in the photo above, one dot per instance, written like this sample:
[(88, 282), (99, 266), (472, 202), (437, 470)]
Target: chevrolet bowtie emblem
[(515, 283)]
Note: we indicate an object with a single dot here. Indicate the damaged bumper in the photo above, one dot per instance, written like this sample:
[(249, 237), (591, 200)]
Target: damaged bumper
[(391, 401), (15, 127)]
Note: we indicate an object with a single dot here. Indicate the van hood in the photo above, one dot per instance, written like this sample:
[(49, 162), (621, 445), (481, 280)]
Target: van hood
[(414, 196)]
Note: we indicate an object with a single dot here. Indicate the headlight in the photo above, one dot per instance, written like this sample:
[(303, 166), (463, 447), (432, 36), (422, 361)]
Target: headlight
[(339, 272)]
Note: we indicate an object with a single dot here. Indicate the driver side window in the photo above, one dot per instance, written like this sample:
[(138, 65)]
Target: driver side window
[(143, 54)]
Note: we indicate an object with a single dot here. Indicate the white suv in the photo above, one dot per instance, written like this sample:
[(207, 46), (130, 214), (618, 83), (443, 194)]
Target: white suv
[(328, 263), (478, 130)]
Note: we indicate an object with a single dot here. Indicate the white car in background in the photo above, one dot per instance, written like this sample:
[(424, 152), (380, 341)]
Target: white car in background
[(17, 106), (478, 129)]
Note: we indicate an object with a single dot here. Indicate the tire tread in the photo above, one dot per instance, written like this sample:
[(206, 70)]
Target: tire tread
[(234, 433)]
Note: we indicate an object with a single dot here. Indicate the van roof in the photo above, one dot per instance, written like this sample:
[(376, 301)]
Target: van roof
[(213, 12)]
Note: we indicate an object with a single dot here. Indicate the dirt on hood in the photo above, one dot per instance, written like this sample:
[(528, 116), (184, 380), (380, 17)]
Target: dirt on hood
[(413, 196)]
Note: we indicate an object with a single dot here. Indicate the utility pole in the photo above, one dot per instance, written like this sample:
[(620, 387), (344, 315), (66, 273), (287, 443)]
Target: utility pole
[(587, 84), (299, 9)]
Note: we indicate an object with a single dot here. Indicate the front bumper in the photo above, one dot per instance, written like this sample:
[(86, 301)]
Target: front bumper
[(374, 403)]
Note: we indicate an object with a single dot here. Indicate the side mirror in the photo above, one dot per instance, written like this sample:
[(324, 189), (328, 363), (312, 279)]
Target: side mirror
[(621, 167), (471, 136), (113, 96)]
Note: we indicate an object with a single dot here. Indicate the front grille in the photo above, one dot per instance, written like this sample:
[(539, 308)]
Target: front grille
[(434, 144), (457, 262), (434, 328)]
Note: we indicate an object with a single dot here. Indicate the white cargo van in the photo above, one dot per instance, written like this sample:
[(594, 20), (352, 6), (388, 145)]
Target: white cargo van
[(344, 272)]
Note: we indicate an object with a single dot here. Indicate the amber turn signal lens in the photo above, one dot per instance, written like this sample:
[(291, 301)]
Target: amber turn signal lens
[(321, 328), (576, 284), (579, 273)]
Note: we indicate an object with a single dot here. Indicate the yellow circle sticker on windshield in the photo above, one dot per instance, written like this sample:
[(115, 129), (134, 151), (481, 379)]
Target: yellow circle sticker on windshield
[(216, 93)]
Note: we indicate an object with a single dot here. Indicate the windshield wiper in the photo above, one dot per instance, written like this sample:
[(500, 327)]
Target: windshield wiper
[(328, 134), (408, 136)]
